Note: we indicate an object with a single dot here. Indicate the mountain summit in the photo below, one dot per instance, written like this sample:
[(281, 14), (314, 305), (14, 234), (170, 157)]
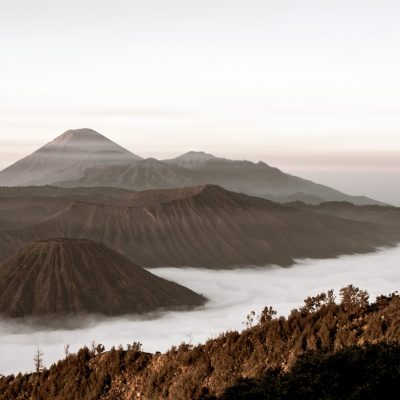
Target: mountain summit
[(66, 157), (192, 159)]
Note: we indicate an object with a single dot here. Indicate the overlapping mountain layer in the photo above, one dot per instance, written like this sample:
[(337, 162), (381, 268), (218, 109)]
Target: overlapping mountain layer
[(83, 157), (202, 226)]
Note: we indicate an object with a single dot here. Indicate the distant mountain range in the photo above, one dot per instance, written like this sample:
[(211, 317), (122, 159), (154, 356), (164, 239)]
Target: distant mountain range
[(70, 276), (85, 158), (201, 226)]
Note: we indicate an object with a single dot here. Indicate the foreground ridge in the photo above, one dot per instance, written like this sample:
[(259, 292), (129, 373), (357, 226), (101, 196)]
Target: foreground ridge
[(278, 357)]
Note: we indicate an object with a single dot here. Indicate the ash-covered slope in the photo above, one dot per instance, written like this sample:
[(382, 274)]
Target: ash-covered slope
[(61, 276), (25, 206), (66, 158), (385, 215), (205, 226)]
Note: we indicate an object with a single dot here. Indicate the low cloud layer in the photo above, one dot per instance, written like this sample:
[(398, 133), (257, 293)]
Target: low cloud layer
[(232, 295)]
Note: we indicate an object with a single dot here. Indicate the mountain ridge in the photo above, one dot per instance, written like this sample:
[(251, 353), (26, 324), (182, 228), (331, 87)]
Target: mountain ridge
[(86, 163), (204, 226)]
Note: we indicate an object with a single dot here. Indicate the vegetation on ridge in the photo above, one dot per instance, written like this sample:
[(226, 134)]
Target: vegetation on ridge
[(310, 350)]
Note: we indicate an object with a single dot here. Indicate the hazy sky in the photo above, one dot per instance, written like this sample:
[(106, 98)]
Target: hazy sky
[(312, 87)]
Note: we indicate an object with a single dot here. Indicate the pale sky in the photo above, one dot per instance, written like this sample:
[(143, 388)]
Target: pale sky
[(311, 87)]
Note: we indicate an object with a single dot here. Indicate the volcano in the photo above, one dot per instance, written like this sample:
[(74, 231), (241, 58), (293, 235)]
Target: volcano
[(71, 276), (66, 158)]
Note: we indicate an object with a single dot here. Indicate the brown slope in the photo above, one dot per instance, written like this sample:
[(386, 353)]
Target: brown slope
[(209, 227), (24, 206), (81, 276), (385, 215)]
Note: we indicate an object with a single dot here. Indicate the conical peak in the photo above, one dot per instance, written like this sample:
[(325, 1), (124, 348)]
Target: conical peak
[(66, 159), (82, 131), (78, 134), (94, 277), (88, 141)]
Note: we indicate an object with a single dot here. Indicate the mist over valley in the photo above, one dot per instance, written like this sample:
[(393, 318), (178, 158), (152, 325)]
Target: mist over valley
[(232, 295)]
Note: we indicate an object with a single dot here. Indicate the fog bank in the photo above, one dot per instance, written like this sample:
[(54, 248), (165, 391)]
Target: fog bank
[(232, 295)]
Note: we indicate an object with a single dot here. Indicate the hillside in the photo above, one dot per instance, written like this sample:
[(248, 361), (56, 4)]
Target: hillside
[(258, 179), (203, 226), (375, 214), (323, 350), (69, 276), (141, 175), (24, 206)]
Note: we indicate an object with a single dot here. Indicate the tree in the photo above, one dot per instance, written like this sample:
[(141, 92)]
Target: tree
[(267, 314), (249, 320), (353, 298), (66, 350), (38, 360), (100, 348)]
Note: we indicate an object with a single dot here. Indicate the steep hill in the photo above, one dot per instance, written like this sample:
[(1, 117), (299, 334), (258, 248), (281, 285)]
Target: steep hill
[(66, 157), (61, 276), (204, 226)]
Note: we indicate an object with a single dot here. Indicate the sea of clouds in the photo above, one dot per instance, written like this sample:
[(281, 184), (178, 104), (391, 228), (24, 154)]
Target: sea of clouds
[(232, 295)]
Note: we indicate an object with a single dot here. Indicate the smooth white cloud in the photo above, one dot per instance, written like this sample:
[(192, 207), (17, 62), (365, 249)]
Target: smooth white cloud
[(233, 294)]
